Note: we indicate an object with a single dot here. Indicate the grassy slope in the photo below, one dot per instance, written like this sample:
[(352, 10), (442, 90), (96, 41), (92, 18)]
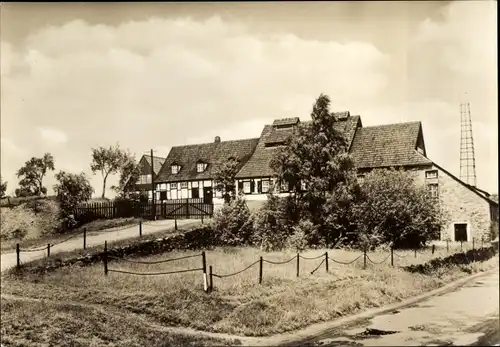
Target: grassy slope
[(239, 305)]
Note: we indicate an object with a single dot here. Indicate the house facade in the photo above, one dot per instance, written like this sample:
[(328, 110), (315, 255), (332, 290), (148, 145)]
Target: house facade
[(147, 168), (187, 171)]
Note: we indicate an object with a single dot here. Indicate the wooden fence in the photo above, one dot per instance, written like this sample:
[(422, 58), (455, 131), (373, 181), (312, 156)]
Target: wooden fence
[(166, 209)]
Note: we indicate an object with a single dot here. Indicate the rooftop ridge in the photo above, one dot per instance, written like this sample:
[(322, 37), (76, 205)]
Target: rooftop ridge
[(392, 124), (210, 143)]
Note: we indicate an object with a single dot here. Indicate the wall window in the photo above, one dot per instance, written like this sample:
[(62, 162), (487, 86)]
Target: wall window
[(431, 174), (144, 179), (184, 185), (195, 193), (173, 185), (434, 190), (200, 167), (265, 186), (175, 169), (284, 187), (246, 188), (194, 184)]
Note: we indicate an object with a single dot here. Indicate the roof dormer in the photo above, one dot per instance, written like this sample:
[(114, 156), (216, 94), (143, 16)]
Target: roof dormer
[(201, 166), (175, 168)]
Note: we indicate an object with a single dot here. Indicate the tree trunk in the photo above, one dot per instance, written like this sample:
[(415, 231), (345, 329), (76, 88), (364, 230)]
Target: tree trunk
[(104, 187)]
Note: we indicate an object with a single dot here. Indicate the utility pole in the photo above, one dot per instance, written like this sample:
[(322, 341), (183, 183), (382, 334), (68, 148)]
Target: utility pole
[(153, 186)]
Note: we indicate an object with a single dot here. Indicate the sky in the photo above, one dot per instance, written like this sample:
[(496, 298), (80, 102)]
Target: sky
[(75, 76)]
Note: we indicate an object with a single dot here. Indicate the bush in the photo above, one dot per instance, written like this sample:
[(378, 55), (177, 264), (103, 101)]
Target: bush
[(493, 230), (272, 224), (301, 235), (232, 223), (72, 190)]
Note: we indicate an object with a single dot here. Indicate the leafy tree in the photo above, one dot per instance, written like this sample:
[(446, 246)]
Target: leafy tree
[(108, 161), (130, 172), (224, 174), (3, 187), (316, 158), (395, 210), (71, 190), (32, 174)]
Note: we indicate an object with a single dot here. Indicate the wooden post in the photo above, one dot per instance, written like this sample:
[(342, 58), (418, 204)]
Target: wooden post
[(153, 190), (461, 245), (211, 284), (105, 258), (18, 251), (473, 242), (415, 250), (140, 228), (175, 220), (298, 264), (202, 219), (447, 246), (84, 238), (48, 250), (204, 267), (433, 248), (392, 256), (326, 261), (187, 208), (364, 258), (260, 270)]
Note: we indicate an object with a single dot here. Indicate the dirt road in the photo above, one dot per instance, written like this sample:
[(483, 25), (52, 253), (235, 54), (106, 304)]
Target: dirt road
[(8, 260)]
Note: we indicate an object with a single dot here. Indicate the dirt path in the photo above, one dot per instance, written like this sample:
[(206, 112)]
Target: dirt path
[(8, 260)]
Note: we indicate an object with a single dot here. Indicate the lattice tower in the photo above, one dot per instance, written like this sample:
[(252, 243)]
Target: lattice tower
[(467, 157)]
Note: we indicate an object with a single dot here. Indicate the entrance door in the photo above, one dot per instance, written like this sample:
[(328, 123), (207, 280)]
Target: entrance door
[(207, 195), (461, 232)]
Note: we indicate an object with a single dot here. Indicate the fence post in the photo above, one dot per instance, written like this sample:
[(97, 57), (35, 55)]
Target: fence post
[(364, 258), (415, 250), (17, 252), (201, 219), (326, 261), (48, 250), (392, 256), (140, 228), (461, 245), (298, 264), (447, 246), (105, 258), (84, 238), (211, 284), (433, 248), (473, 243), (204, 267), (260, 270), (187, 208), (175, 220)]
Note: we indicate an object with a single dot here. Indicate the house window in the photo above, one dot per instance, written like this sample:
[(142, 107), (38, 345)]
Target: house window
[(145, 179), (265, 186), (173, 185), (200, 167), (433, 189), (246, 188), (175, 169), (431, 174), (184, 185), (195, 193)]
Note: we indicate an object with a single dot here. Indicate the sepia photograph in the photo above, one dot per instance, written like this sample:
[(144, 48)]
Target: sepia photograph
[(282, 173)]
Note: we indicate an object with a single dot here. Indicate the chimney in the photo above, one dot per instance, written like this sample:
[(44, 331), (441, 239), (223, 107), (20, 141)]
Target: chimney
[(217, 139)]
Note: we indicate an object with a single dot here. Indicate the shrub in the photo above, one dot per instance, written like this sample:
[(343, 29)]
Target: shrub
[(72, 190), (493, 230), (300, 238), (272, 225), (232, 223)]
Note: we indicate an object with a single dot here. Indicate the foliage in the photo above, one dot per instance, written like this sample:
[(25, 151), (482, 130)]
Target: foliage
[(272, 223), (32, 174), (108, 161), (224, 174), (3, 187), (72, 190), (130, 172), (316, 159), (232, 223), (300, 238), (395, 210)]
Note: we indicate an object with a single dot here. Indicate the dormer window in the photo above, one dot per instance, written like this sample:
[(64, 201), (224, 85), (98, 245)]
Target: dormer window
[(200, 167), (175, 168)]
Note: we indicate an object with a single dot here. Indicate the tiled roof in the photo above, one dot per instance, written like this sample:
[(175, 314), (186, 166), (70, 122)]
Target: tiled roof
[(259, 163), (157, 163), (188, 156), (286, 121), (388, 145)]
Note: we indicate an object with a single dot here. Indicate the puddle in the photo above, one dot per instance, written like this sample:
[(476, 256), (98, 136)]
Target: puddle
[(370, 333)]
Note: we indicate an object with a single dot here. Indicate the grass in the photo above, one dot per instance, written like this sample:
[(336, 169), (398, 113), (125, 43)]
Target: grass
[(239, 305), (63, 324), (44, 239)]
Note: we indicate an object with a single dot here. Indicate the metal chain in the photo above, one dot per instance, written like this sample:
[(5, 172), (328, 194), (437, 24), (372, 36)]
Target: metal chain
[(377, 263), (236, 273), (345, 263), (279, 262), (154, 262), (153, 273), (312, 258), (313, 271)]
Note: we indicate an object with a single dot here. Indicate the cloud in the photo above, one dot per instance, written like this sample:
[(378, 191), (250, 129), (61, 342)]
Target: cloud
[(53, 136)]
